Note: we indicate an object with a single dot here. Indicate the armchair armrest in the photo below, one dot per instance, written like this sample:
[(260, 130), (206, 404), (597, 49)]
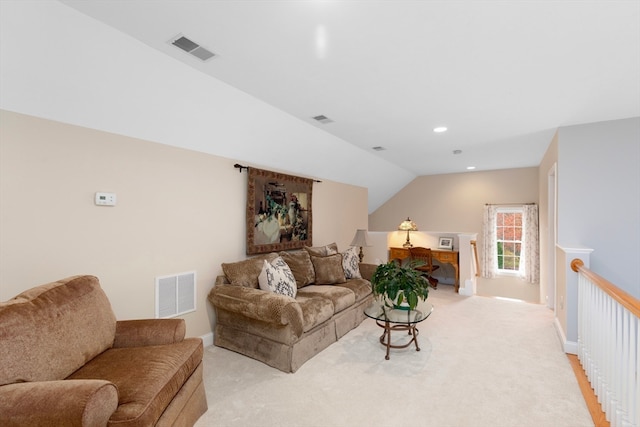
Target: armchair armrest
[(65, 402), (258, 304), (140, 333)]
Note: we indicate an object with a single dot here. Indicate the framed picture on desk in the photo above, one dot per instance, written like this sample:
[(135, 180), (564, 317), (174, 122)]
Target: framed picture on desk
[(445, 243)]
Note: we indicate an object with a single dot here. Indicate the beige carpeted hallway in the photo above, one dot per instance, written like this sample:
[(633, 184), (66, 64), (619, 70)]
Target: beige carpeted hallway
[(483, 362)]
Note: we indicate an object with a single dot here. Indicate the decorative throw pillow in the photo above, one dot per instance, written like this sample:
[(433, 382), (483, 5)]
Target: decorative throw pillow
[(245, 273), (277, 277), (301, 266), (329, 249), (351, 263), (328, 269)]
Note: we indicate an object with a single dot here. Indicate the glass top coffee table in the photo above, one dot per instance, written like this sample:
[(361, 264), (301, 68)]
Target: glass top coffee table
[(398, 319)]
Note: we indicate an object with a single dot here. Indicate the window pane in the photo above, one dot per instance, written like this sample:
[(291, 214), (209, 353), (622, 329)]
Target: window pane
[(518, 248), (517, 234), (517, 219), (500, 233), (509, 248)]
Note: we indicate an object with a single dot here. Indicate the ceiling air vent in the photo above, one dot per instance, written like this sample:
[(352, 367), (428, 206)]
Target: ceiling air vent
[(322, 119), (192, 47), (379, 148)]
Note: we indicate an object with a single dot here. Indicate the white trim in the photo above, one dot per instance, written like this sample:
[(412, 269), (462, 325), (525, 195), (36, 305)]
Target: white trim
[(570, 347), (207, 339)]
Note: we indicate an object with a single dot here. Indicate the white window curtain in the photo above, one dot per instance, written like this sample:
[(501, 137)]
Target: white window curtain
[(530, 252), (489, 267)]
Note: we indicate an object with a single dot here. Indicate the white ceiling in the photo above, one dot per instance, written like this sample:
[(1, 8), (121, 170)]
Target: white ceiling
[(502, 76)]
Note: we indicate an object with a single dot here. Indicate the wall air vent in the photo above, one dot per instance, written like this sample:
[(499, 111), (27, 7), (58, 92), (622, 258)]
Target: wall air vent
[(378, 148), (322, 119), (192, 47), (175, 294)]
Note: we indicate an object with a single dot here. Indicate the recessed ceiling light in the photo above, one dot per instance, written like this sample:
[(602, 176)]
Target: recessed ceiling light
[(457, 151), (440, 129), (378, 148), (470, 168)]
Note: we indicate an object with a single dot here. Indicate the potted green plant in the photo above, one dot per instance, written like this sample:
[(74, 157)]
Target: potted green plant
[(402, 285)]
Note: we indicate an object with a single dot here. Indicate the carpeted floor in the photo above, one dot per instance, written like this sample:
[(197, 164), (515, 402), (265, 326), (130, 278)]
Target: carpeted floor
[(483, 362)]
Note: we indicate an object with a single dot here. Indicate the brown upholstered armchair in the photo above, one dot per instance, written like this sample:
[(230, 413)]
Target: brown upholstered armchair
[(67, 361)]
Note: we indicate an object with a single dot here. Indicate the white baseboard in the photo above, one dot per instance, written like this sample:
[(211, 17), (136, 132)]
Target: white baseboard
[(570, 347), (207, 339)]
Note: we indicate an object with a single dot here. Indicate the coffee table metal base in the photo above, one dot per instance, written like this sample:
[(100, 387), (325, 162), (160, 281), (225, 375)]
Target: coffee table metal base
[(385, 339)]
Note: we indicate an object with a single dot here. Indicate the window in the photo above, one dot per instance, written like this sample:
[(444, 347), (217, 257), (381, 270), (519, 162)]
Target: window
[(509, 239)]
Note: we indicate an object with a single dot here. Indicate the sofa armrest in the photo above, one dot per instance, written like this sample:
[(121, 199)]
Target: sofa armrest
[(367, 270), (258, 304), (57, 403), (140, 333)]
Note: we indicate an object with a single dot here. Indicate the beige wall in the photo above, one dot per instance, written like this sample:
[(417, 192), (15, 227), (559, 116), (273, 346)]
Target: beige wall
[(548, 166), (453, 202), (177, 210), (445, 204)]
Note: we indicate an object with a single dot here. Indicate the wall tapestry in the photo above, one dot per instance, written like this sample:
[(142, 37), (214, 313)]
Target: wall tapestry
[(278, 212)]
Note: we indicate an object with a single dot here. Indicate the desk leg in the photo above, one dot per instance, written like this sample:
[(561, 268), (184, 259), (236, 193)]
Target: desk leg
[(457, 285)]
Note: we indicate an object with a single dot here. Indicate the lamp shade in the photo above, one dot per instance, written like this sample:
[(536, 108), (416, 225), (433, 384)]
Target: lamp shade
[(408, 225), (361, 238)]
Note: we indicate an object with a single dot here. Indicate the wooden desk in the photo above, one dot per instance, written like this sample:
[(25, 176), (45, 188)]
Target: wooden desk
[(441, 255)]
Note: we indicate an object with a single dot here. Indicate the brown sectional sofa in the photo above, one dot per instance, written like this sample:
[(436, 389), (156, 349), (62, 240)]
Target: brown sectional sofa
[(67, 361), (283, 331)]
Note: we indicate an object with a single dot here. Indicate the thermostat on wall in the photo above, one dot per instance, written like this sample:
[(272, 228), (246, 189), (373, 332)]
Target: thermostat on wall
[(106, 199)]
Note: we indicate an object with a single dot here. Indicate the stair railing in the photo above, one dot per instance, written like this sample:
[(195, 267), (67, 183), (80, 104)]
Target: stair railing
[(609, 345)]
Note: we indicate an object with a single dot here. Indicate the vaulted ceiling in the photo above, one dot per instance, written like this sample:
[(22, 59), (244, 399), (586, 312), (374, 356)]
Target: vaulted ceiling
[(501, 76)]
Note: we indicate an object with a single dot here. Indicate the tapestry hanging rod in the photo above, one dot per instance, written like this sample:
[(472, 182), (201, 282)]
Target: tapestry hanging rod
[(240, 168), (509, 204)]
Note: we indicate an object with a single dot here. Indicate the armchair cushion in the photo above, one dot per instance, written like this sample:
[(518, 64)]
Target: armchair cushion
[(69, 322), (144, 393)]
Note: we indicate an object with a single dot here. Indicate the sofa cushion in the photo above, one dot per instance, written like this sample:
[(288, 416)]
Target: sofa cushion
[(246, 272), (276, 276), (330, 249), (301, 266), (361, 288), (351, 263), (144, 393), (51, 330), (315, 310), (328, 269), (339, 296)]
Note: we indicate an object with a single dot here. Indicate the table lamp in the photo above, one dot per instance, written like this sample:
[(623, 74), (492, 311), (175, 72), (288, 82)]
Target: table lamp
[(361, 239), (407, 225)]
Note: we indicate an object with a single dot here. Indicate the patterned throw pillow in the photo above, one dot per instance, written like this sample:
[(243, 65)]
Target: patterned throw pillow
[(277, 277), (350, 263)]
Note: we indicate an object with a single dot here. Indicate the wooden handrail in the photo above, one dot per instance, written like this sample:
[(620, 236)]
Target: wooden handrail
[(626, 300)]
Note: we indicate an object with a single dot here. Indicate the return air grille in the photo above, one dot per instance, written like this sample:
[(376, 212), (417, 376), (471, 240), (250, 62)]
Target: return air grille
[(175, 294), (192, 47)]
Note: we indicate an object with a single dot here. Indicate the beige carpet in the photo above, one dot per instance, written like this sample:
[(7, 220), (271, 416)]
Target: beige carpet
[(483, 362)]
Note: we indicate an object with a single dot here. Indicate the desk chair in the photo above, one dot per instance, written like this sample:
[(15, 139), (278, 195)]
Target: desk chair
[(425, 255)]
